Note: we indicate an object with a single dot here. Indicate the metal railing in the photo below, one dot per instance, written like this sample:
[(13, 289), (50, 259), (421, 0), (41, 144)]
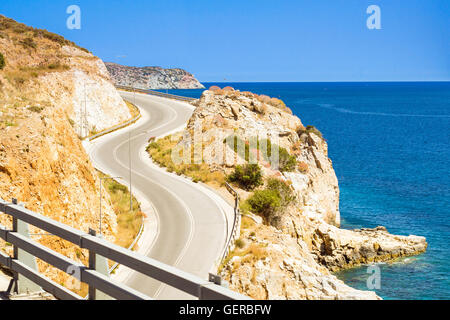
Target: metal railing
[(157, 93), (236, 222), (166, 274), (117, 127)]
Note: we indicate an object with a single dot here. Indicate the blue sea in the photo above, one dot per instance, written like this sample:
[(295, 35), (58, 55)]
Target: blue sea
[(390, 146)]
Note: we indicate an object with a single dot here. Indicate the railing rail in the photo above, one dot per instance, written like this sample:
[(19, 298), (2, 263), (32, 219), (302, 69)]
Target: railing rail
[(157, 93), (236, 222), (169, 275)]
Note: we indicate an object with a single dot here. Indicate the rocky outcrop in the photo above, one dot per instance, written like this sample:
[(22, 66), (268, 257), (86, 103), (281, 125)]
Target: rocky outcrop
[(339, 249), (152, 77), (227, 112), (273, 265), (43, 164), (292, 254)]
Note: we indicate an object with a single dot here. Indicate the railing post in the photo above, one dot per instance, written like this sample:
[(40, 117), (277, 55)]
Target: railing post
[(22, 284), (92, 266), (100, 264)]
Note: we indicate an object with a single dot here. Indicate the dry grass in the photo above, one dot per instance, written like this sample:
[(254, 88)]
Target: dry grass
[(20, 76), (161, 153), (303, 167), (10, 27), (128, 221), (249, 255), (133, 109), (246, 222)]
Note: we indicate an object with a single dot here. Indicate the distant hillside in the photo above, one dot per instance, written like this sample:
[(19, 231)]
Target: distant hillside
[(152, 77)]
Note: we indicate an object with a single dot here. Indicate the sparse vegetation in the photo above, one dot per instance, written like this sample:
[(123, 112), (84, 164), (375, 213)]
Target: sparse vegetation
[(28, 43), (248, 177), (240, 243), (266, 202), (303, 167), (2, 61), (161, 153), (284, 190), (128, 221), (10, 123), (133, 109), (7, 24), (264, 147), (287, 161), (244, 208), (251, 254), (36, 109), (247, 223), (310, 129), (51, 67), (21, 75), (93, 131)]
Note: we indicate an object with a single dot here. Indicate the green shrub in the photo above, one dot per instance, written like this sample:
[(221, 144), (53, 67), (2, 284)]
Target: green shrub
[(2, 61), (310, 129), (240, 243), (284, 190), (271, 200), (247, 177), (287, 161), (265, 202)]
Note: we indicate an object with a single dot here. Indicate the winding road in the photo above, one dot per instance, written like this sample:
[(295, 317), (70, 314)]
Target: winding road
[(191, 225)]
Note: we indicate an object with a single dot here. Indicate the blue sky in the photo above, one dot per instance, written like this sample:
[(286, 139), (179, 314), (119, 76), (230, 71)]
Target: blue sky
[(259, 40)]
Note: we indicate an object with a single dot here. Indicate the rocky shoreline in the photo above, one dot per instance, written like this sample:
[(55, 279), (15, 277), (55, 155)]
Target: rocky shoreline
[(339, 249), (293, 252)]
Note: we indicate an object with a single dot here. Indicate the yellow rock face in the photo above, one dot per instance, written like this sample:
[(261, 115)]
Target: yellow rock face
[(42, 161)]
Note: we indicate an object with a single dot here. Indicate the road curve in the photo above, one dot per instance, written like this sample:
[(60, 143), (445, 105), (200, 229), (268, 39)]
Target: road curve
[(192, 228)]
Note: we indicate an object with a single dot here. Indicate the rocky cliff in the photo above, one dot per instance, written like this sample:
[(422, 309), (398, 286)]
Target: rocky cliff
[(290, 252), (52, 92), (152, 77)]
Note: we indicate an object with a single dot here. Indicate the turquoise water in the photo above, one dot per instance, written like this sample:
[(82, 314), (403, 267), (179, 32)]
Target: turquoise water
[(390, 146)]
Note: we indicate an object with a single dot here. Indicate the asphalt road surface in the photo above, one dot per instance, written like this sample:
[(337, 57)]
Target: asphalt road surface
[(192, 229)]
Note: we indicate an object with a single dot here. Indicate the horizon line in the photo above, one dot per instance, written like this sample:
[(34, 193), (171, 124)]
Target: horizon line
[(344, 81)]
